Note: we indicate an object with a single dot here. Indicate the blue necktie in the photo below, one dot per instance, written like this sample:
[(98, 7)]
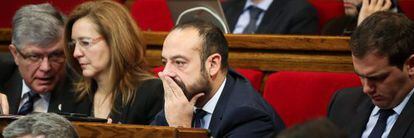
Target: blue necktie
[(381, 124), (254, 16), (198, 118), (27, 107)]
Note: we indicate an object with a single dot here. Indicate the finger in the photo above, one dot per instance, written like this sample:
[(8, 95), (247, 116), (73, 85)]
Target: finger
[(167, 89), (195, 98), (4, 104), (387, 5), (365, 3), (379, 5), (373, 3), (176, 90), (109, 121)]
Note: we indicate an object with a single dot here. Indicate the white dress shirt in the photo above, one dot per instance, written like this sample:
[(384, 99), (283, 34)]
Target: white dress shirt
[(41, 105), (245, 16), (210, 105), (373, 118)]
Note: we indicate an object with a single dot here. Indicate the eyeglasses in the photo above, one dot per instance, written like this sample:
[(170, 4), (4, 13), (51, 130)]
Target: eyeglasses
[(54, 57), (84, 42)]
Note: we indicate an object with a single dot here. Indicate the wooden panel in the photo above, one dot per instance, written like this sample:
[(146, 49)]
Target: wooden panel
[(271, 42), (275, 52), (5, 34), (102, 130), (264, 52), (93, 130), (4, 48)]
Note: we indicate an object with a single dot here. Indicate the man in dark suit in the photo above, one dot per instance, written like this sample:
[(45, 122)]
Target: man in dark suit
[(383, 56), (37, 49), (355, 12), (271, 16), (201, 91)]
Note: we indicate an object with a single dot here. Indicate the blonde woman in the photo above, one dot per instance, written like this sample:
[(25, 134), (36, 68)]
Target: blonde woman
[(106, 47)]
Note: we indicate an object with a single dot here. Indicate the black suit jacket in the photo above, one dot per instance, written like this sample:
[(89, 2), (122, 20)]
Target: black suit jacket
[(11, 85), (282, 17), (350, 109), (240, 112), (147, 103)]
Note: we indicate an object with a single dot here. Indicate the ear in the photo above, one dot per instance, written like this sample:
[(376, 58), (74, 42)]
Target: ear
[(213, 64), (13, 51)]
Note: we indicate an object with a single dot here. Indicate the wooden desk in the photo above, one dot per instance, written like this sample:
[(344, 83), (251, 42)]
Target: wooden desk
[(93, 130), (275, 52), (102, 130), (263, 52)]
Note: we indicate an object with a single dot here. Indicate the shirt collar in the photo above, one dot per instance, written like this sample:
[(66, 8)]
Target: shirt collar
[(264, 5), (26, 89), (398, 109), (211, 104)]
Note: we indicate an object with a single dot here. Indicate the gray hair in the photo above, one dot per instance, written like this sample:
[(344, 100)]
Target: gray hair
[(49, 125), (40, 25)]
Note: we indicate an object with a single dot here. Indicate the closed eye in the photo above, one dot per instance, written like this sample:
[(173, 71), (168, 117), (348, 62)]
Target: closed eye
[(179, 63), (84, 43), (33, 57)]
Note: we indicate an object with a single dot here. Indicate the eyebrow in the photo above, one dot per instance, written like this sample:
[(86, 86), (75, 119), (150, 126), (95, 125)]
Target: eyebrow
[(174, 57), (82, 37), (380, 74)]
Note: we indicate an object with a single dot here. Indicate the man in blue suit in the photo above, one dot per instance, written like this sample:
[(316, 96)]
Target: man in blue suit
[(202, 92), (382, 49)]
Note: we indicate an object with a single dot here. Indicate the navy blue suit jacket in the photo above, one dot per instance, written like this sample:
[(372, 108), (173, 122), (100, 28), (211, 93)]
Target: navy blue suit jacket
[(350, 109), (147, 102), (240, 112), (282, 17)]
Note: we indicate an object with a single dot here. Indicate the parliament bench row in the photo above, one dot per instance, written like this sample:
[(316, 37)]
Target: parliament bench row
[(296, 74), (160, 19)]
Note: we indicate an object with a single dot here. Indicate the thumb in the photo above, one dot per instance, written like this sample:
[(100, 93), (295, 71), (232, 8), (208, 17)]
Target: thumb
[(195, 98), (4, 104)]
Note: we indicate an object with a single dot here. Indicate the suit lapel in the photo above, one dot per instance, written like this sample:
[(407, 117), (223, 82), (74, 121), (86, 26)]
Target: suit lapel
[(59, 95), (270, 17), (221, 105), (404, 121), (359, 121), (233, 12), (13, 90)]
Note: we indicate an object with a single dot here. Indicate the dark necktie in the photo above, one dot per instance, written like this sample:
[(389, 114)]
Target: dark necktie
[(198, 118), (381, 124), (254, 16), (27, 107)]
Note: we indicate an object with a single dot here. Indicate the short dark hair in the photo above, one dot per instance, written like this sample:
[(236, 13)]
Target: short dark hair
[(214, 40), (317, 128), (386, 33)]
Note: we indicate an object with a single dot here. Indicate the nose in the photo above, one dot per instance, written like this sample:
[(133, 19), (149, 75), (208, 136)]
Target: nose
[(77, 52), (368, 86), (45, 65), (169, 69)]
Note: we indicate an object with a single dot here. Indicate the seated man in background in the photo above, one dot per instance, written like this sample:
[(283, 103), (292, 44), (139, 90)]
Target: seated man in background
[(43, 125), (271, 16), (355, 12), (201, 91), (383, 56), (37, 49), (317, 128)]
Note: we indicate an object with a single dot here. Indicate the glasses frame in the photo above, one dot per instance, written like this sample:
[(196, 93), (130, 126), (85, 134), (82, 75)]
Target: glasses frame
[(58, 58), (72, 44)]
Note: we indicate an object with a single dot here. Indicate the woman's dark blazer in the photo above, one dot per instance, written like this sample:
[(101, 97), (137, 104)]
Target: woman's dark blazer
[(148, 101)]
